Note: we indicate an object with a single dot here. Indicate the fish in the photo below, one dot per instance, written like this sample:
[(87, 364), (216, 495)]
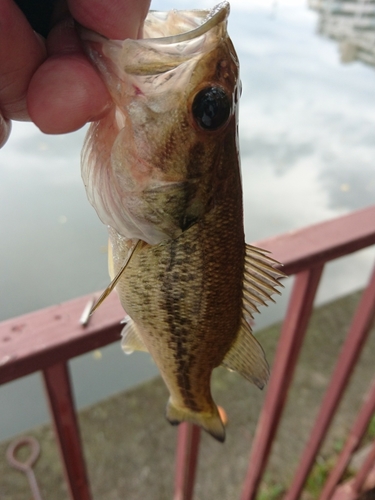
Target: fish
[(162, 170)]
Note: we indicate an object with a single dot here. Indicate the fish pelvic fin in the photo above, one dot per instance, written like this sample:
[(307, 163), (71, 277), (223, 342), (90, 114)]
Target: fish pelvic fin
[(261, 277), (131, 339), (209, 421)]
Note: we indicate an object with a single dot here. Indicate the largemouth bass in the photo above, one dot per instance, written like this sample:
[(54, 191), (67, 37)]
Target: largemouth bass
[(162, 171)]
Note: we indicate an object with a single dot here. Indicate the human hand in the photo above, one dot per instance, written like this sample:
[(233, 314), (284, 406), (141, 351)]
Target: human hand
[(51, 82)]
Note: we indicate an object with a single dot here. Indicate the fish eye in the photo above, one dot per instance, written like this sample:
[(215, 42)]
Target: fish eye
[(211, 108)]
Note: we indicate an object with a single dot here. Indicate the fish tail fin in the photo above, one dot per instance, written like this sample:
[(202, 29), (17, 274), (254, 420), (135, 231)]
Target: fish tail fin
[(209, 421)]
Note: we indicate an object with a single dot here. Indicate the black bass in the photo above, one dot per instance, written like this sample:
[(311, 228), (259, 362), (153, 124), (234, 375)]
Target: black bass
[(162, 171)]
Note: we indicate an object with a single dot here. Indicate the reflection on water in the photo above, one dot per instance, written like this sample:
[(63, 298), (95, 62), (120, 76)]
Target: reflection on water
[(307, 146), (352, 24)]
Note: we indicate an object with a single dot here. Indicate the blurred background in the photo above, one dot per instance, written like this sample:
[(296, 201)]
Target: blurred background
[(307, 126)]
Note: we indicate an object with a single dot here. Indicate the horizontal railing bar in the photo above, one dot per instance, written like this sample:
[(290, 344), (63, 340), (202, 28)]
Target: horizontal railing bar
[(45, 337), (320, 243)]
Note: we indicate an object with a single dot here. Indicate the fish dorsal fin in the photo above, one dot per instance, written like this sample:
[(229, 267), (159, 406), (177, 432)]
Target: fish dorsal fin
[(247, 357), (261, 277), (131, 340)]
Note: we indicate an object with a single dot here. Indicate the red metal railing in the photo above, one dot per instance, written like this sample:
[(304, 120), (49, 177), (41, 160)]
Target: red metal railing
[(27, 345)]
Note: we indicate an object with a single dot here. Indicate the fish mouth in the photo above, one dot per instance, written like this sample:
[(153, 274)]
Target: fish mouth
[(169, 39), (199, 21)]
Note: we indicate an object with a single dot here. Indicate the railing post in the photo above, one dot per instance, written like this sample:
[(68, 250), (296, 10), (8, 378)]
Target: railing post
[(187, 459), (58, 388), (365, 470), (290, 342), (348, 357), (352, 442)]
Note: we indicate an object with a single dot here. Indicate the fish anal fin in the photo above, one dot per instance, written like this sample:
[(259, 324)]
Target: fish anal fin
[(246, 356), (209, 421), (131, 339)]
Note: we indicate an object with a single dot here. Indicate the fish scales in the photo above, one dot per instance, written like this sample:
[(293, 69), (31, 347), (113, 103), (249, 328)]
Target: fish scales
[(188, 318), (162, 171)]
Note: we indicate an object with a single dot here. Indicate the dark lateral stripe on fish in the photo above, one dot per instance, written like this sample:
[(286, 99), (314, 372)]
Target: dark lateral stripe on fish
[(179, 327)]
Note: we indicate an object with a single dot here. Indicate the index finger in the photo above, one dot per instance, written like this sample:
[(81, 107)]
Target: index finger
[(118, 19)]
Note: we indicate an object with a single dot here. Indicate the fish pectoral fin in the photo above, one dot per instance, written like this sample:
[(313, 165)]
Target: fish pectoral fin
[(131, 339), (247, 357), (115, 279), (111, 265), (209, 421), (175, 206)]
